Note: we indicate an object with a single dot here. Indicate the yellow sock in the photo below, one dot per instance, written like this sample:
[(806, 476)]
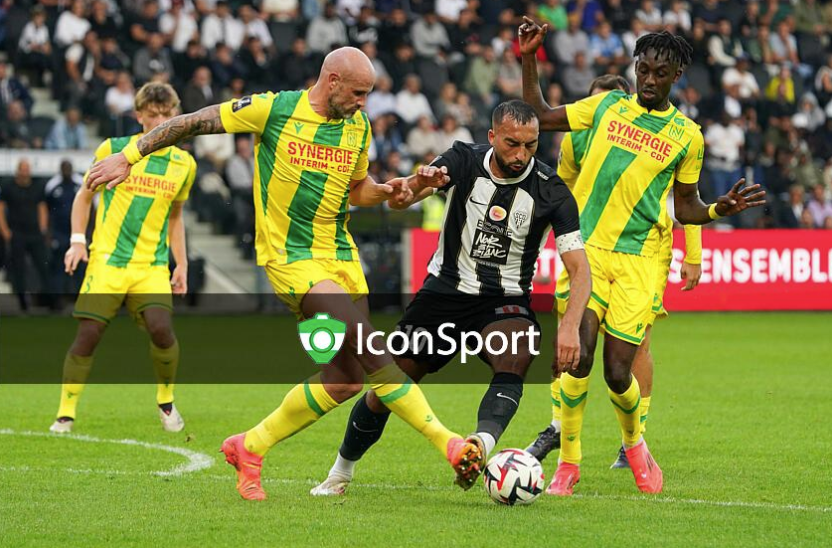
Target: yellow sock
[(165, 361), (302, 406), (643, 411), (573, 393), (626, 409), (76, 371), (555, 387), (404, 398)]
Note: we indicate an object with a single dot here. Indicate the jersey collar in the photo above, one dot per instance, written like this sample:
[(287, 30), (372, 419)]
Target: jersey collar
[(486, 164), (659, 113)]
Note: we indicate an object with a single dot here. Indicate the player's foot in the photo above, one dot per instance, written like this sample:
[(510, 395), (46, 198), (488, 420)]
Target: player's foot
[(547, 441), (248, 467), (476, 440), (172, 421), (621, 461), (647, 473), (466, 458), (331, 486), (566, 477), (62, 425)]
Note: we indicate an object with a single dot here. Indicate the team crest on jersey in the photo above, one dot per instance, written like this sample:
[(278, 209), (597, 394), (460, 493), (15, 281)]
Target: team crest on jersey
[(352, 138), (676, 132), (497, 213), (519, 218), (242, 103)]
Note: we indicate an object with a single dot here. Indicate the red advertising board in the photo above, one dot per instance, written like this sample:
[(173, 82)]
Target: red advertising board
[(741, 270)]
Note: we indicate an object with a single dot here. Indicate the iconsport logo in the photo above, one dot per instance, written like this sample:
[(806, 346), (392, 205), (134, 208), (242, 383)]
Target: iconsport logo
[(322, 337)]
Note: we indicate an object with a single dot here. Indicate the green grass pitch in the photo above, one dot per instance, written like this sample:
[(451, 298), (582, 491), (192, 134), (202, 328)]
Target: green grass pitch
[(740, 424)]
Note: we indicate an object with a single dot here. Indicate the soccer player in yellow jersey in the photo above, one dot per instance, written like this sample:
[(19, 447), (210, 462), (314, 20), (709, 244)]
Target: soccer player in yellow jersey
[(311, 165), (639, 147), (136, 226), (572, 152)]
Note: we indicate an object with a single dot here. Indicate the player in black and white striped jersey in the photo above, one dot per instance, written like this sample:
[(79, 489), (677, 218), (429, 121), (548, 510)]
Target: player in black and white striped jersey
[(501, 204)]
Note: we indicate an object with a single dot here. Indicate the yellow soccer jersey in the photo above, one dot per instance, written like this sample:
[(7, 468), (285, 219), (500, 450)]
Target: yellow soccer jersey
[(131, 227), (303, 168), (632, 159)]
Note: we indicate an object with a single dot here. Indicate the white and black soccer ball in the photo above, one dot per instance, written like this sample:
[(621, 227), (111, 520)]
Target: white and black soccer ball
[(513, 476)]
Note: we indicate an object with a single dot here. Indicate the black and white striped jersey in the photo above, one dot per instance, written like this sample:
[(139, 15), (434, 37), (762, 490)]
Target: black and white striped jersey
[(493, 229)]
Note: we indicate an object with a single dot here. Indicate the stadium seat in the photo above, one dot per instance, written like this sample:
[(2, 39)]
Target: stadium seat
[(40, 126)]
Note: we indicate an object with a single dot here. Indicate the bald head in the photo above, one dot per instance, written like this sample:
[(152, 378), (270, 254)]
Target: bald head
[(346, 78)]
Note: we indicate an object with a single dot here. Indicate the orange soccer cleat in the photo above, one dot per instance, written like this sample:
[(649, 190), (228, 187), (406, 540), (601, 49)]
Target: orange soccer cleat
[(566, 477), (647, 473), (466, 458), (248, 467)]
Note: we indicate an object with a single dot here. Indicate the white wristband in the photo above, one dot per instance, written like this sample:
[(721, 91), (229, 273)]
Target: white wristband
[(78, 238)]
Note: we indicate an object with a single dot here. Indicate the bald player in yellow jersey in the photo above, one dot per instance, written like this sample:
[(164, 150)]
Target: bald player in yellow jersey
[(572, 152), (136, 226), (639, 147), (311, 165)]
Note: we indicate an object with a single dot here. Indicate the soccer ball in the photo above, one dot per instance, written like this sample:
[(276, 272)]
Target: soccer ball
[(513, 476)]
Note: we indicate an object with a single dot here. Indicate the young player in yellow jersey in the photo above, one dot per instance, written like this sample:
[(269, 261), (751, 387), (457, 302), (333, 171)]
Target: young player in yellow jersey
[(639, 147), (572, 152), (136, 224), (311, 165)]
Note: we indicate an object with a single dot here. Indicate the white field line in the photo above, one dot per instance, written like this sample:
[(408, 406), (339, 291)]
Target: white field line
[(195, 461)]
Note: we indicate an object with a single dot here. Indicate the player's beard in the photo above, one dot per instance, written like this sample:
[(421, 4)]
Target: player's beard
[(335, 111), (509, 169)]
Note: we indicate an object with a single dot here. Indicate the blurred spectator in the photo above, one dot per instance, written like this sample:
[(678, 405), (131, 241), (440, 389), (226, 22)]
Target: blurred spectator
[(225, 67), (386, 137), (429, 36), (784, 49), (222, 26), (578, 77), (152, 59), (216, 148), (422, 139), (740, 78), (482, 77), (296, 66), (444, 102), (449, 132), (806, 220), (12, 89), (195, 56), (369, 49), (650, 15), (463, 110), (23, 222), (503, 41), (677, 18), (725, 140), (68, 133), (806, 171), (553, 13), (365, 29), (689, 103), (179, 26), (119, 98), (809, 115), (395, 30), (449, 10), (101, 22), (81, 61), (780, 89), (808, 19), (381, 100), (411, 103), (16, 131), (606, 48), (142, 25), (570, 41), (72, 25), (255, 62), (199, 93), (587, 13), (35, 47), (59, 194), (724, 47), (509, 77), (791, 212), (708, 12), (254, 25), (466, 38), (281, 10), (618, 15), (326, 32), (403, 64), (113, 60), (823, 82), (239, 173), (698, 40)]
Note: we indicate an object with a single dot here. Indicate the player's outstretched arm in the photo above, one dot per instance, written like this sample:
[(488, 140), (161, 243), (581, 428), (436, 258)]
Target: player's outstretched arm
[(79, 219), (580, 287), (176, 224), (531, 36), (422, 184), (368, 193), (115, 168), (691, 210)]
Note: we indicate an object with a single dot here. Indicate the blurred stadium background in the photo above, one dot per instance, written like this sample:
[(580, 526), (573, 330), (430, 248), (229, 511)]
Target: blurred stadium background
[(760, 85)]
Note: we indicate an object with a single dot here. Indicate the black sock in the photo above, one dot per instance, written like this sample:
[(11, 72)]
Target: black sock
[(363, 430), (499, 404)]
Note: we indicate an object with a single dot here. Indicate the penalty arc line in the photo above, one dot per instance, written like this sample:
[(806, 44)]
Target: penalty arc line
[(196, 461)]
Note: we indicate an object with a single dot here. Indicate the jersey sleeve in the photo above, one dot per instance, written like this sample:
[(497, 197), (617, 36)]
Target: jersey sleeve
[(248, 114), (693, 244), (581, 114), (456, 160), (567, 166), (688, 170), (363, 163), (564, 217), (185, 191)]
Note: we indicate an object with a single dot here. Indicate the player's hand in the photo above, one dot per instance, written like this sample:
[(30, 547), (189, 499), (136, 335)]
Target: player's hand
[(402, 194), (110, 171), (74, 255), (569, 348), (179, 280), (691, 274), (432, 176), (531, 36), (739, 199)]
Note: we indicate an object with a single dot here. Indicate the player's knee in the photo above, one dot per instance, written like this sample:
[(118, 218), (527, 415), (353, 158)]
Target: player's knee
[(617, 378), (87, 338), (161, 333), (343, 392), (587, 359)]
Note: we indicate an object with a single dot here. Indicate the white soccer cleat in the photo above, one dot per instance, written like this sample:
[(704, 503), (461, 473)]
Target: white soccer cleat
[(173, 421), (332, 486), (62, 426)]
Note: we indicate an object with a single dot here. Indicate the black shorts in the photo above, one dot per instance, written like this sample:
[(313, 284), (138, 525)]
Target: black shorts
[(429, 310)]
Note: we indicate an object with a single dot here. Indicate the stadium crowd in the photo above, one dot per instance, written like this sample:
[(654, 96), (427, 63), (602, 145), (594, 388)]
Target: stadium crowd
[(760, 83)]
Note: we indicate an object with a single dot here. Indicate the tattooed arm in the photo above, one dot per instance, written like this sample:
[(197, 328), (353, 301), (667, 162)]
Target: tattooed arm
[(115, 168)]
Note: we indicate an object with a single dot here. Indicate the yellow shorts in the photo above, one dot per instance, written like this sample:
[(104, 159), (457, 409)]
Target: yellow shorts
[(665, 258), (623, 288), (291, 281), (106, 287)]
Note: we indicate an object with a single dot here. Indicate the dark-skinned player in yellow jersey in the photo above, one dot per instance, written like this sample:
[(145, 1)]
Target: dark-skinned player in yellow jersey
[(640, 148)]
